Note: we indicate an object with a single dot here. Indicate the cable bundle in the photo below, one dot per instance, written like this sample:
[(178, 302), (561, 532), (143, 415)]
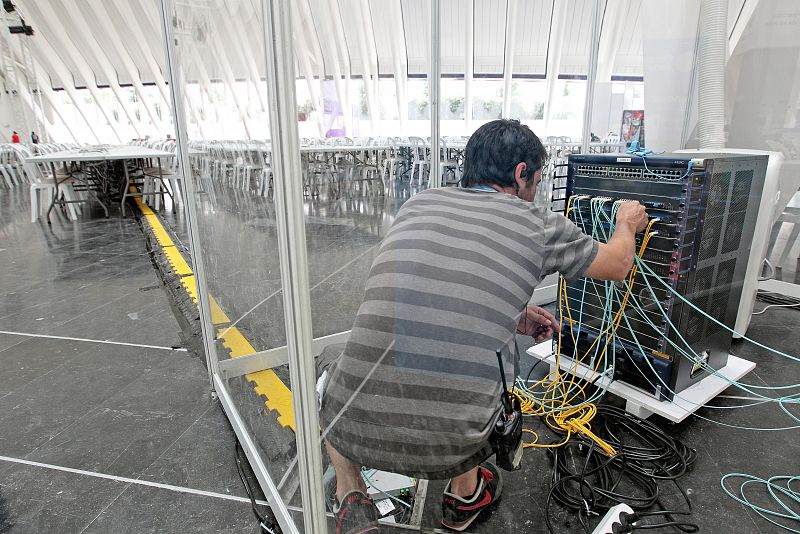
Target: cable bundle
[(785, 496), (560, 398), (611, 294), (685, 350), (590, 435), (588, 481)]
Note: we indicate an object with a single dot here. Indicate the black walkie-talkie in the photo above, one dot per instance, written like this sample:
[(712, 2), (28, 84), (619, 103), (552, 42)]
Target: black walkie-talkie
[(506, 438)]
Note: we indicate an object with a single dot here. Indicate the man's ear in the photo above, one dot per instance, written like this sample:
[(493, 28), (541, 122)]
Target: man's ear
[(521, 174)]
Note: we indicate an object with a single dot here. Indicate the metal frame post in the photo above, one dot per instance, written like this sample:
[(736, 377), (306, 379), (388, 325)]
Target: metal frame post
[(293, 261), (184, 168), (594, 46), (434, 86)]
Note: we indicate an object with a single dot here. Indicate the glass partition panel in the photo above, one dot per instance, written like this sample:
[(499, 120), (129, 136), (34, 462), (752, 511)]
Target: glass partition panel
[(354, 185), (351, 192), (221, 64), (410, 394), (762, 102)]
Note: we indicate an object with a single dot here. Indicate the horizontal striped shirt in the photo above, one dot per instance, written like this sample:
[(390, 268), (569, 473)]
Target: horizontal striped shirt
[(416, 388)]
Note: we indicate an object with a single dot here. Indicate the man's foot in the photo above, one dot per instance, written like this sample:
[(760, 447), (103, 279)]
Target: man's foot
[(356, 514), (458, 513)]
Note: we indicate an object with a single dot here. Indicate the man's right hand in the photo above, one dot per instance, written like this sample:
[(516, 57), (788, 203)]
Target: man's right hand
[(614, 258), (632, 213)]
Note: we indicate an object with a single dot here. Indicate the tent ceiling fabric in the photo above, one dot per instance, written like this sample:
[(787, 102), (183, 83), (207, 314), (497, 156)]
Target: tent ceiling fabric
[(344, 37), (533, 31)]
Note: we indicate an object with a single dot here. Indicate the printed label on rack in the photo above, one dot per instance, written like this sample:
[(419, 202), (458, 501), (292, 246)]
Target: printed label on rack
[(623, 160), (661, 355), (385, 506)]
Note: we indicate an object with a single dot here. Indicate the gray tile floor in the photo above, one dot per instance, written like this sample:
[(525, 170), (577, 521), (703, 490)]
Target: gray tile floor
[(239, 244), (121, 410), (145, 413)]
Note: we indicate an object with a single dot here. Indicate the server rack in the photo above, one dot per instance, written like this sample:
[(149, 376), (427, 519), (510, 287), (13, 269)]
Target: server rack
[(707, 206)]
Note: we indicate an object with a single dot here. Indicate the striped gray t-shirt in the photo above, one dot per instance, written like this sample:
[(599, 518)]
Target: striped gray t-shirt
[(417, 387)]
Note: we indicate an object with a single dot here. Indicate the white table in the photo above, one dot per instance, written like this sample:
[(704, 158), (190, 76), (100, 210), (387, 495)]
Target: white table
[(101, 153), (342, 148), (98, 154)]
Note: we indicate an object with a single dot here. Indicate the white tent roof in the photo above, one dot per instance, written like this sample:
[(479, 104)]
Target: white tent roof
[(95, 44), (348, 32)]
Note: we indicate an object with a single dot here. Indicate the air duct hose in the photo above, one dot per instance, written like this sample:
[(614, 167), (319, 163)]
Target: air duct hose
[(712, 54)]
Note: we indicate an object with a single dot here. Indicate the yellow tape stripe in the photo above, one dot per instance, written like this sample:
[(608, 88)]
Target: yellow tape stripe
[(175, 259), (218, 316), (161, 234), (189, 284), (266, 382), (145, 209)]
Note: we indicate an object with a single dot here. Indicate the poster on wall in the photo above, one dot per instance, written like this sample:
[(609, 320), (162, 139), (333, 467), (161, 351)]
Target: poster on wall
[(632, 127), (333, 116)]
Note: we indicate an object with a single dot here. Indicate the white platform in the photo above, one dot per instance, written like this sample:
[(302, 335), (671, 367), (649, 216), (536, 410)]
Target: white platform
[(782, 288), (640, 403)]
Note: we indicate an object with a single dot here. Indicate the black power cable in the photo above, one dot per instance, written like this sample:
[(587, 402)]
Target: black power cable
[(267, 522), (586, 480)]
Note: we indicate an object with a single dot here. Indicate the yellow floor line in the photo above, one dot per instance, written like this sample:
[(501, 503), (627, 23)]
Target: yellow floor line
[(174, 256), (218, 316), (161, 234), (189, 284), (267, 383), (175, 259), (278, 396)]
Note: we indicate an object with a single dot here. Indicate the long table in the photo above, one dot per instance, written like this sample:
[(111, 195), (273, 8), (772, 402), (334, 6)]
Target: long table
[(97, 154)]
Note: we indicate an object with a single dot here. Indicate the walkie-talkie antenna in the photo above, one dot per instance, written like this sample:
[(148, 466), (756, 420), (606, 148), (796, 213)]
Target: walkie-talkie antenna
[(506, 395)]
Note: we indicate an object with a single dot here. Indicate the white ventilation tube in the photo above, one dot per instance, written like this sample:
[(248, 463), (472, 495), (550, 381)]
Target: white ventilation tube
[(711, 57)]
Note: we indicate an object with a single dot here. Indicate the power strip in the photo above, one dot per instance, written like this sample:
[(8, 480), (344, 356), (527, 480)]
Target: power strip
[(612, 519)]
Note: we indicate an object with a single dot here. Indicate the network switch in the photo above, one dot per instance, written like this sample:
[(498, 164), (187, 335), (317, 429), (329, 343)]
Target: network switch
[(706, 207)]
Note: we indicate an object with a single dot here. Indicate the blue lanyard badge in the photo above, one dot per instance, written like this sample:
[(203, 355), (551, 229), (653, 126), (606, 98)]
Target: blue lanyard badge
[(483, 188)]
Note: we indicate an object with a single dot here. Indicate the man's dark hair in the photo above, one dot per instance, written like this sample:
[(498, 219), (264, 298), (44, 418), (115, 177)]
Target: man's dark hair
[(496, 148)]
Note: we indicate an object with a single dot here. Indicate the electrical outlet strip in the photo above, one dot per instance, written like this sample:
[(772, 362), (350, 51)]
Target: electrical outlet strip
[(612, 518)]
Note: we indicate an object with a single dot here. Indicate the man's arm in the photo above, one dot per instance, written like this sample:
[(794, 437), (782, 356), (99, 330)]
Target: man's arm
[(615, 258)]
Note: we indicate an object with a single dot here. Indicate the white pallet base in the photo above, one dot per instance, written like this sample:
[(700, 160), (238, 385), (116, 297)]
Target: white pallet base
[(640, 403), (782, 288)]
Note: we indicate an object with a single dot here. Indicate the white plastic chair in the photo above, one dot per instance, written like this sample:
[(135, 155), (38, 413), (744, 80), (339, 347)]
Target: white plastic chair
[(7, 169), (790, 216), (42, 187), (420, 163), (449, 165)]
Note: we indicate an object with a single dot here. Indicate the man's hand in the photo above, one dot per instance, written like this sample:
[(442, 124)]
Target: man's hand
[(538, 323), (632, 213)]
